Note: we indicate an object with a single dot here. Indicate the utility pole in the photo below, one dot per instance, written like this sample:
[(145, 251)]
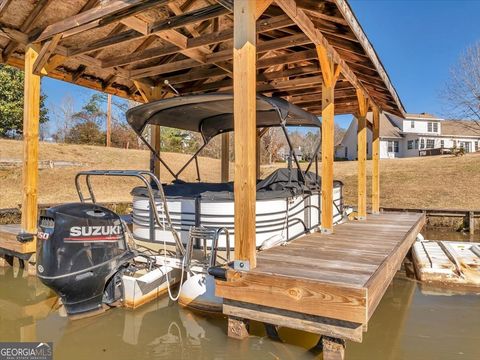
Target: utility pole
[(109, 119)]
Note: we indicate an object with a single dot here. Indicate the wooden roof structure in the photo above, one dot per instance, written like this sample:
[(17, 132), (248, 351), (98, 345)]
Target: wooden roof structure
[(118, 46)]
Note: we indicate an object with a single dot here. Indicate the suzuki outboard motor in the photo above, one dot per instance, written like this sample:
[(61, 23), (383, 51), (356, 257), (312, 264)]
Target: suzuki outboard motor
[(81, 254)]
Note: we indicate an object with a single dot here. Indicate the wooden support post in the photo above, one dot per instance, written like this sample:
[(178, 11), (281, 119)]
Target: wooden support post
[(362, 154), (149, 94), (109, 119), (244, 90), (330, 74), (31, 121), (376, 161), (333, 349), (237, 327), (225, 161)]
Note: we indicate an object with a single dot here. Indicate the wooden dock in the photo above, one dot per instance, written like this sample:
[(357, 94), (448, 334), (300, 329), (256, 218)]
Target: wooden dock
[(326, 284), (9, 242)]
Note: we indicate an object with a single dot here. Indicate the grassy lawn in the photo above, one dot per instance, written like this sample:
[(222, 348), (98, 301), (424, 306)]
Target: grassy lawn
[(430, 182)]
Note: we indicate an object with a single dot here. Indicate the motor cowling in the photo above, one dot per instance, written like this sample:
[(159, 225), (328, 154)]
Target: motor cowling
[(81, 248)]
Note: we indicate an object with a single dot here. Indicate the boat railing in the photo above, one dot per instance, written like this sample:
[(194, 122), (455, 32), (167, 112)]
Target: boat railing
[(148, 180)]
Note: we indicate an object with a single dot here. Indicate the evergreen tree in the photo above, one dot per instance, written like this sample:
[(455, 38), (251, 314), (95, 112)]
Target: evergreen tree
[(11, 102)]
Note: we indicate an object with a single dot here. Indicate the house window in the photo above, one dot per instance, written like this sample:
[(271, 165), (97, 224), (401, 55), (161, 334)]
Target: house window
[(465, 145), (346, 152), (412, 124), (454, 143), (476, 145), (442, 144), (393, 146), (410, 145), (430, 143), (422, 143), (416, 143), (432, 127)]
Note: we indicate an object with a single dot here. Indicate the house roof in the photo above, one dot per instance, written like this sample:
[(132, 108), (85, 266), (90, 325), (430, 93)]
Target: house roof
[(121, 46), (461, 128), (388, 129)]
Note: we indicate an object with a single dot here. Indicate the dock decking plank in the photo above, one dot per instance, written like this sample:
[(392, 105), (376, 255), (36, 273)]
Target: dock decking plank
[(342, 275), (9, 242)]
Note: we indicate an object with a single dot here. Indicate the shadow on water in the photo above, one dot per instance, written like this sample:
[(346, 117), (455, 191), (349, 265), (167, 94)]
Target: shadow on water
[(407, 325)]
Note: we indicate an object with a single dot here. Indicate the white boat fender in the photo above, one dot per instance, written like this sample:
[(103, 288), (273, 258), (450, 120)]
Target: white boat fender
[(275, 240), (198, 292), (420, 237)]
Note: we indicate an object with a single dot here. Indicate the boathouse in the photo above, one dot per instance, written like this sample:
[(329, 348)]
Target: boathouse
[(313, 53)]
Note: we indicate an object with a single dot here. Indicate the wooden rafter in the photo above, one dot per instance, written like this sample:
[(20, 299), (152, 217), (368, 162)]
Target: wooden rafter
[(307, 26), (262, 5), (98, 16), (44, 55), (282, 49), (36, 13), (226, 55), (193, 43), (188, 18), (3, 6)]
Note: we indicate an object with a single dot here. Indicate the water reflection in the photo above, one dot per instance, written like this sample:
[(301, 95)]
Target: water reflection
[(451, 236), (406, 325)]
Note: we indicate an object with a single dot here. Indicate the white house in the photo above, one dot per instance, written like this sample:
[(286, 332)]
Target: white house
[(415, 135)]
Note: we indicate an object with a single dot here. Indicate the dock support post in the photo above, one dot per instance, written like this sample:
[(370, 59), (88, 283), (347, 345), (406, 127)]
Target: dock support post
[(362, 154), (330, 73), (376, 161), (31, 123), (471, 222), (333, 348), (245, 132), (148, 94), (237, 327), (225, 161)]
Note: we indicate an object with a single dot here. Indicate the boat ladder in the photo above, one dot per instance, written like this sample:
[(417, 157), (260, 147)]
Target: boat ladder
[(200, 236)]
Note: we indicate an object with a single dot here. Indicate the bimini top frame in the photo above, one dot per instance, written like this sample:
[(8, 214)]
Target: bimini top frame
[(212, 114)]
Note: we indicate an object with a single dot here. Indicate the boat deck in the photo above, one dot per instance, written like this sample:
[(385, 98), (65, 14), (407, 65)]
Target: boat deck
[(322, 283)]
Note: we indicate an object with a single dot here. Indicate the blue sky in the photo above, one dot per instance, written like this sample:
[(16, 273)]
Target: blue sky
[(417, 42)]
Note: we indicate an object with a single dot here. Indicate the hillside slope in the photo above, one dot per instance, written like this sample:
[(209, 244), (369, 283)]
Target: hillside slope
[(430, 182)]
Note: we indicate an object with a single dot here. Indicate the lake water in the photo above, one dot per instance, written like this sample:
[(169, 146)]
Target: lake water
[(410, 323)]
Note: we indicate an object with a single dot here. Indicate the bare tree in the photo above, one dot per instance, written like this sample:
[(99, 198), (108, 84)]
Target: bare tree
[(272, 142), (62, 115), (462, 91)]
